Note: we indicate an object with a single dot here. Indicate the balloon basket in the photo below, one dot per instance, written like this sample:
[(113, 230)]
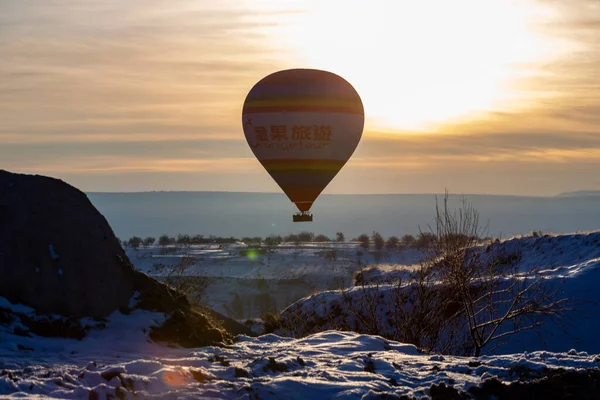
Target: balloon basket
[(303, 217)]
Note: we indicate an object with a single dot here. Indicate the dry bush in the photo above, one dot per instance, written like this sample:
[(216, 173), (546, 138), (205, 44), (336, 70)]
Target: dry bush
[(181, 278), (495, 298), (417, 311)]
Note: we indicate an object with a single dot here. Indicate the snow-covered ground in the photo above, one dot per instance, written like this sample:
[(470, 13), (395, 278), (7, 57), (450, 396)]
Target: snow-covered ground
[(116, 358), (273, 282), (119, 362)]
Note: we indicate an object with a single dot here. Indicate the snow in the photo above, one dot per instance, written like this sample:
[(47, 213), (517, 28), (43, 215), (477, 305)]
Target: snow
[(117, 359), (118, 336), (19, 308), (572, 261), (246, 288)]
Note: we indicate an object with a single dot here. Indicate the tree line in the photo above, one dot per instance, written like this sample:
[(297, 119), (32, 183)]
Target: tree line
[(375, 241)]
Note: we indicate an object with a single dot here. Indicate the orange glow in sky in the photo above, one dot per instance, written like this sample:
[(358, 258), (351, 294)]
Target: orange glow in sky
[(419, 64), (120, 96)]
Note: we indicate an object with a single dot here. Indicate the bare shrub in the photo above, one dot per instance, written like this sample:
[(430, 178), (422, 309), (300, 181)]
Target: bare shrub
[(181, 278), (236, 308), (271, 322), (416, 311), (495, 298), (299, 321)]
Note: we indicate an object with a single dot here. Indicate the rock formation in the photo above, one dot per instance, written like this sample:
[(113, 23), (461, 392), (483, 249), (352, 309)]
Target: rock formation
[(59, 255)]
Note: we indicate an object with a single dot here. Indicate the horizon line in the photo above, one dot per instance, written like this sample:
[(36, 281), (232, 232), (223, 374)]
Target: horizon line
[(592, 193)]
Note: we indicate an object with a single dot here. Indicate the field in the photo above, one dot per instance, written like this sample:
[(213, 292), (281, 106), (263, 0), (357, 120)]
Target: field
[(267, 280)]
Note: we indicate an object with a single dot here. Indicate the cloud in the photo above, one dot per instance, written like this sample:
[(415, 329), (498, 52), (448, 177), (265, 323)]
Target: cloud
[(105, 91), (116, 165), (127, 67), (472, 146)]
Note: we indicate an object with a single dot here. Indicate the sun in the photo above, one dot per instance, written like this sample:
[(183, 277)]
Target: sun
[(418, 64)]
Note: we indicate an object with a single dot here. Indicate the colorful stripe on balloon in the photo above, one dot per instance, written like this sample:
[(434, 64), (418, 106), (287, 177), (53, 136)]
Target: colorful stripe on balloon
[(303, 90), (303, 105), (300, 165)]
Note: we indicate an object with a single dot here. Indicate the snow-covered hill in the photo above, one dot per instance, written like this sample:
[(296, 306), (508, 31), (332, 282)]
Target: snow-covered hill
[(571, 261)]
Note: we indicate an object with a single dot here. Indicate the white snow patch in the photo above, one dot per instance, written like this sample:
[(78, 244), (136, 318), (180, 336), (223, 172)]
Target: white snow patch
[(329, 364)]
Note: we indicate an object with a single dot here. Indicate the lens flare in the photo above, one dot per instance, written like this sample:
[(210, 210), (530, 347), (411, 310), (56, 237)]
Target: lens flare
[(175, 378), (252, 255)]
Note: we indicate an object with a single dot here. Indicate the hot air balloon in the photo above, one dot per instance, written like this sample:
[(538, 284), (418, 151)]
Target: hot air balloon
[(303, 126)]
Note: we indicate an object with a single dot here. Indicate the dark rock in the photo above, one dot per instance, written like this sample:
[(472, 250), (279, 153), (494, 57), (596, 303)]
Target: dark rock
[(8, 374), (57, 252), (128, 383), (5, 316), (110, 374), (59, 255), (369, 366), (555, 384), (275, 366), (17, 330), (188, 329), (69, 328), (200, 376), (489, 388), (241, 373), (121, 393), (229, 324), (220, 359), (443, 392)]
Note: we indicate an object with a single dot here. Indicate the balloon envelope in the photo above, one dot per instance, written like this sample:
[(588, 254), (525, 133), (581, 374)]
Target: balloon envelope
[(303, 125)]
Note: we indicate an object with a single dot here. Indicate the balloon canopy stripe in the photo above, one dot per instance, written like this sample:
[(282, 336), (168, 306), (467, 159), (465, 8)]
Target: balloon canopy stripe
[(286, 104), (303, 165), (303, 108), (286, 101)]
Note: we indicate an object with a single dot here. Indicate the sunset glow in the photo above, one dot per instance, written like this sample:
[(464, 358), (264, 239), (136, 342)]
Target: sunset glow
[(420, 64), (123, 96)]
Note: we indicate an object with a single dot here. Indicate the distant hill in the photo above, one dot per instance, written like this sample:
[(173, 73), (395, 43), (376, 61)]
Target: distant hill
[(580, 193), (262, 214)]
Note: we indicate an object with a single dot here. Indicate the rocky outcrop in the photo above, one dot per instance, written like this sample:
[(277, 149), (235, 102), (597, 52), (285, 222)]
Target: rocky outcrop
[(59, 256)]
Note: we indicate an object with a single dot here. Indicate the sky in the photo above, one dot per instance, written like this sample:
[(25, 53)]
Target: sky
[(491, 97)]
